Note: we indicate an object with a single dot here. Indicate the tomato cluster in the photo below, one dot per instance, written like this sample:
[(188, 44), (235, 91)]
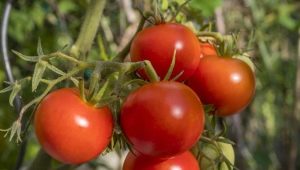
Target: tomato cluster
[(161, 120)]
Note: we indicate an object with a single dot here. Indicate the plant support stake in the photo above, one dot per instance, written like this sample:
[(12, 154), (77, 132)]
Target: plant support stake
[(8, 72)]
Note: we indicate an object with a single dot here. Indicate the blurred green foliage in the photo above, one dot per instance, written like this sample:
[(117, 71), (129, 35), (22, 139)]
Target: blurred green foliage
[(268, 124)]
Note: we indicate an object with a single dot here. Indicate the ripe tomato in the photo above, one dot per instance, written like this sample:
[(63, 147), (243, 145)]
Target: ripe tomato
[(162, 119), (157, 44), (183, 161), (208, 49), (70, 130), (226, 83), (212, 153)]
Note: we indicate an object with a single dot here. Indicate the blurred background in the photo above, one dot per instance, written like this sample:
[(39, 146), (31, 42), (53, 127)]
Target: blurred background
[(267, 133)]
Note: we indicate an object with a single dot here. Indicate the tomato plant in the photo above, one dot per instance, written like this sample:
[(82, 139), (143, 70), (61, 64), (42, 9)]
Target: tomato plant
[(212, 153), (183, 161), (226, 83), (71, 130), (162, 119), (157, 44)]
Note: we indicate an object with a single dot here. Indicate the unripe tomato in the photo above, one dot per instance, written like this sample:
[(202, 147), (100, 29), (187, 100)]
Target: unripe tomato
[(226, 83), (212, 153), (183, 161), (157, 44), (162, 119), (71, 130)]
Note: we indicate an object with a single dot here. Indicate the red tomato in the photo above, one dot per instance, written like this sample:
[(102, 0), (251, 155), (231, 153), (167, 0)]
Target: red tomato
[(208, 49), (162, 119), (157, 44), (227, 83), (183, 161), (70, 130)]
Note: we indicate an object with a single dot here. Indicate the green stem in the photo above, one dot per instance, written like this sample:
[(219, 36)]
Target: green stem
[(89, 28), (82, 90)]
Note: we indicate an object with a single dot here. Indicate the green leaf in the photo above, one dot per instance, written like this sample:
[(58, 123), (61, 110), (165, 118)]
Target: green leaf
[(67, 6), (164, 5), (15, 90), (26, 58), (37, 14), (39, 48), (205, 7), (39, 70)]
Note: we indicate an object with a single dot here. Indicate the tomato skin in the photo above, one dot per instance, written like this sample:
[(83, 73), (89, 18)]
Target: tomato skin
[(183, 161), (227, 83), (207, 49), (70, 130), (162, 119), (157, 44)]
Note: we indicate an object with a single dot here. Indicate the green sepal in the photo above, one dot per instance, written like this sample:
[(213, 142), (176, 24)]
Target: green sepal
[(16, 87), (39, 48), (171, 68), (7, 89), (38, 73), (26, 58)]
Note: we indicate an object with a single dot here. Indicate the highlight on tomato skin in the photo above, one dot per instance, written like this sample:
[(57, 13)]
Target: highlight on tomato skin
[(226, 83), (157, 44), (162, 119), (70, 130), (182, 161)]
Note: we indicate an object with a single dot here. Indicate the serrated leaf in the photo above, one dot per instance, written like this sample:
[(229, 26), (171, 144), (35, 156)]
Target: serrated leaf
[(39, 48), (26, 58), (6, 89), (39, 70), (15, 90)]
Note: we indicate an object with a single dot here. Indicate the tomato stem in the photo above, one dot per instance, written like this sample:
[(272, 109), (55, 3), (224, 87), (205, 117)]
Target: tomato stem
[(89, 28), (82, 90)]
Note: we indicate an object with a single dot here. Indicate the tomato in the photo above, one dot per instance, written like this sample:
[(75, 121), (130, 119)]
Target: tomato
[(71, 130), (162, 119), (208, 49), (157, 44), (226, 83), (183, 161), (212, 153)]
